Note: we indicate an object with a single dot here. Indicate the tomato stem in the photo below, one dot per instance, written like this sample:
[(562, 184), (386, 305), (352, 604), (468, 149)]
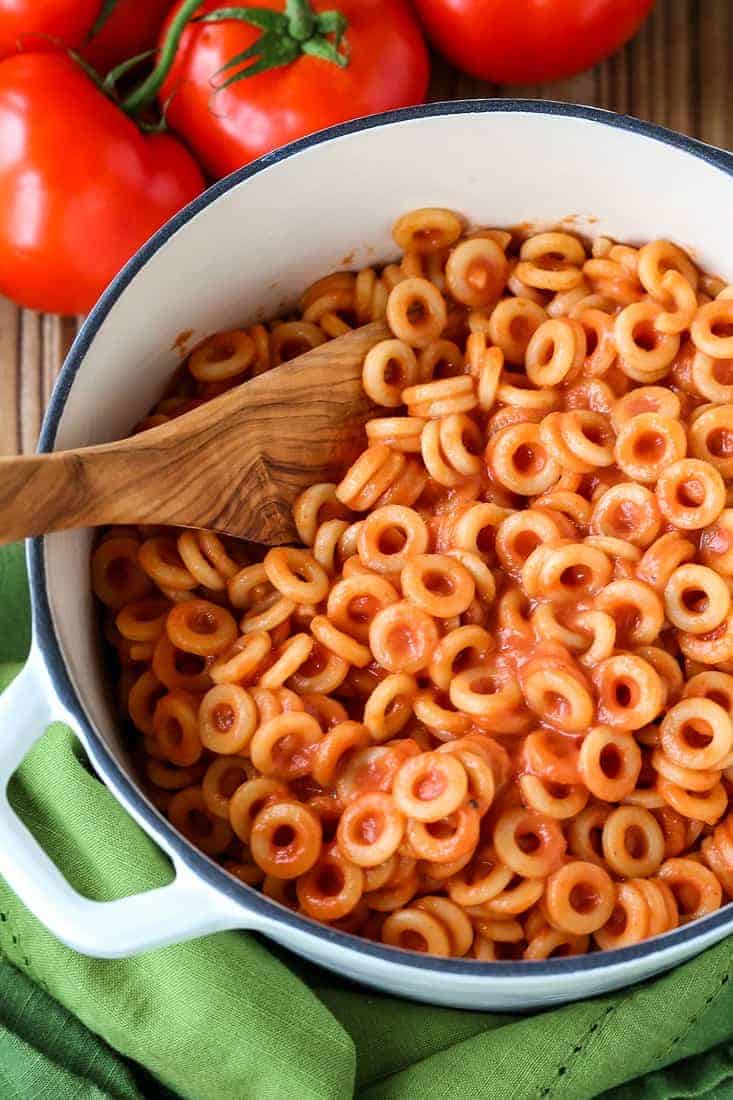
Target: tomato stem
[(300, 19), (285, 37), (144, 95)]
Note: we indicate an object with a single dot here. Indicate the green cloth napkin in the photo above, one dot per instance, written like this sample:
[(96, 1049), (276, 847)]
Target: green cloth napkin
[(229, 1018)]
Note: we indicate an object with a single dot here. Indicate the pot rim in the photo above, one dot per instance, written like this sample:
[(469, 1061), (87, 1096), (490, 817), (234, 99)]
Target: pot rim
[(45, 638)]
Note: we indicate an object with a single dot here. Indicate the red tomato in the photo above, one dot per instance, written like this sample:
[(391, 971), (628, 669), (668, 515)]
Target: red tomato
[(80, 187), (387, 67), (527, 41), (131, 29), (39, 24)]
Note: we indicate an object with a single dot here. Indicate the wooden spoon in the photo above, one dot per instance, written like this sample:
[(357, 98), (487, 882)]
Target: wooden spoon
[(234, 464)]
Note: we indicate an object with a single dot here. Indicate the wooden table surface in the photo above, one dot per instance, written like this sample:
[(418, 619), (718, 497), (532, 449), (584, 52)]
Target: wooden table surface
[(678, 72)]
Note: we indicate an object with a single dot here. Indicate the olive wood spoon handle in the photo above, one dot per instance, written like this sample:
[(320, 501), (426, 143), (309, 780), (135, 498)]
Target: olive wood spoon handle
[(234, 464)]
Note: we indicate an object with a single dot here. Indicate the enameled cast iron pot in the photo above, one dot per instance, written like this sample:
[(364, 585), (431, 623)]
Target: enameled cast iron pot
[(244, 250)]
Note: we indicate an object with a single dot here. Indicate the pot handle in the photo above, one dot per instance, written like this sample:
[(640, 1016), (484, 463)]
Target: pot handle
[(182, 910)]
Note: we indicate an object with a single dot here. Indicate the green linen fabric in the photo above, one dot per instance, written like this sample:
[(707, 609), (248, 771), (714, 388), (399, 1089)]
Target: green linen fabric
[(228, 1017)]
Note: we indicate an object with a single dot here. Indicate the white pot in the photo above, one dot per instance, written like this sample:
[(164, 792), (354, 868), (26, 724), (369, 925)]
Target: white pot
[(243, 251)]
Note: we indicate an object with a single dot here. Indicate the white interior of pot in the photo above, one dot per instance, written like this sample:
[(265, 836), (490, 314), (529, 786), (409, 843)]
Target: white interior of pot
[(331, 206)]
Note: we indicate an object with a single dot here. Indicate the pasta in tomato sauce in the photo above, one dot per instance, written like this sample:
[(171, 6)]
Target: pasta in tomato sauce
[(485, 709)]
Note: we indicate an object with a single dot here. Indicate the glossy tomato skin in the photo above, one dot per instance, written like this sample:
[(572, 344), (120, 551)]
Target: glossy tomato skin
[(51, 25), (388, 68), (528, 41), (80, 187), (45, 24), (132, 27)]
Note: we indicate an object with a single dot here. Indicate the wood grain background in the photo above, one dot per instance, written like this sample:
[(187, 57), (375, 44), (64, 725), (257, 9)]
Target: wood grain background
[(678, 72)]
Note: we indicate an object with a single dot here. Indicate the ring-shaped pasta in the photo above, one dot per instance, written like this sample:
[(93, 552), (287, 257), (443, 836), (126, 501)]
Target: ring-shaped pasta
[(389, 367), (445, 840), (370, 829), (691, 494), (241, 661), (464, 645), (556, 350), (481, 782), (413, 929), (479, 693), (296, 575), (453, 919), (437, 584), (511, 325), (430, 787), (227, 719), (176, 728), (697, 733), (157, 556), (714, 685), (551, 755), (636, 609), (389, 536), (178, 670), (285, 840), (530, 843), (585, 833), (688, 779), (143, 620), (222, 779), (518, 897), (712, 378), (403, 637), (711, 437), (626, 511), (331, 752), (390, 705), (522, 532), (551, 261), (189, 814), (602, 629), (708, 806), (476, 272), (283, 746), (249, 799), (553, 799), (642, 347), (629, 692), (559, 696), (695, 888), (399, 433), (647, 444), (222, 356), (633, 842), (549, 624), (520, 460), (432, 708), (579, 897), (609, 763), (658, 257), (679, 302), (354, 601), (314, 506), (662, 558), (416, 312), (696, 599), (628, 922), (645, 399), (715, 315), (426, 231), (572, 572)]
